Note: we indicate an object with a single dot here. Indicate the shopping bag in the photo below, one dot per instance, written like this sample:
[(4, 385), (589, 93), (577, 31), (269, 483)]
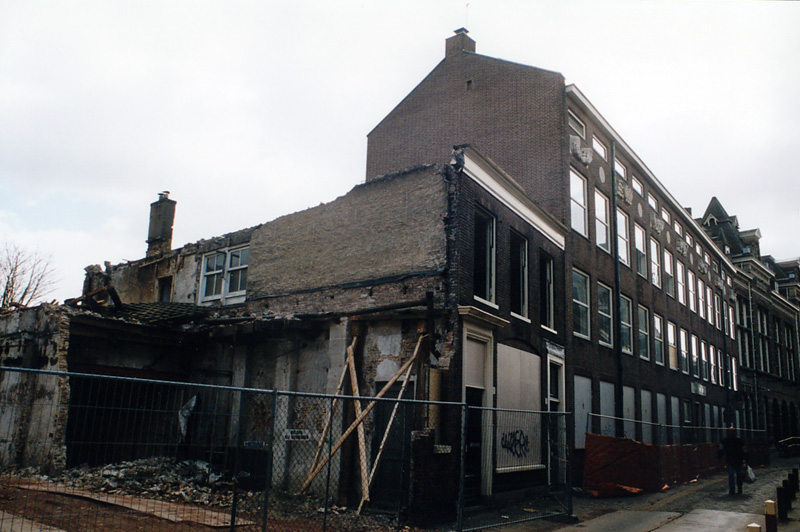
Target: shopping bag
[(749, 476)]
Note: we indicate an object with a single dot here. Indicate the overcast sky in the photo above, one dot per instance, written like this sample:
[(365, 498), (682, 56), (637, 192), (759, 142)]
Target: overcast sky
[(248, 110)]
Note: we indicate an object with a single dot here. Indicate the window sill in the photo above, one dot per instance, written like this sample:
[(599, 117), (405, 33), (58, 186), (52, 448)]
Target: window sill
[(485, 302), (520, 317), (549, 329)]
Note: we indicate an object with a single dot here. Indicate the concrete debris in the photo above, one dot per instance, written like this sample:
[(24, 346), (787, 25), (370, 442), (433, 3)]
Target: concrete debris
[(192, 481)]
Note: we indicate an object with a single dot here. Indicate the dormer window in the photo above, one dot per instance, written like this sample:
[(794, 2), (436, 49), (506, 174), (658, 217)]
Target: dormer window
[(224, 278)]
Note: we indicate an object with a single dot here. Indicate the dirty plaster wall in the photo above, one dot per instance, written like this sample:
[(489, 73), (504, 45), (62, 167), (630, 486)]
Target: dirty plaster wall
[(34, 415), (137, 281)]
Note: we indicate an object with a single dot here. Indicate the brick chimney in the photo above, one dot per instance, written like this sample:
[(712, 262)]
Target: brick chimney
[(162, 216), (460, 42)]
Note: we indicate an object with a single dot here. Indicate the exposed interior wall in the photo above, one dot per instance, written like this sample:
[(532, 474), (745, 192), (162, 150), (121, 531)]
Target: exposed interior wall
[(34, 415)]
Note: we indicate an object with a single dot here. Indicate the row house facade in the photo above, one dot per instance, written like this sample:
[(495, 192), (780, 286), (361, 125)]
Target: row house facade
[(652, 346), (767, 310)]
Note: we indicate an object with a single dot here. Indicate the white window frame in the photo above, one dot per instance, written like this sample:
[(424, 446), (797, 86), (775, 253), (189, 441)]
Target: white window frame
[(583, 305), (709, 304), (643, 325), (620, 169), (691, 287), (701, 298), (680, 284), (578, 203), (637, 186), (683, 347), (488, 259), (626, 324), (576, 124), (665, 216), (600, 148), (695, 356), (655, 262), (640, 247), (522, 297), (659, 340), (712, 356), (605, 317), (673, 353), (704, 360), (669, 276), (623, 238), (547, 286), (225, 296), (602, 221), (652, 201)]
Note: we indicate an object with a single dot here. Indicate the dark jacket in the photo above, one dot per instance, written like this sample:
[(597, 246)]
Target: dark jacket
[(734, 449)]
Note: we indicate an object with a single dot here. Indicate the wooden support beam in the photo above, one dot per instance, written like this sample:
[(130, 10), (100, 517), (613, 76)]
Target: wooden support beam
[(364, 413)]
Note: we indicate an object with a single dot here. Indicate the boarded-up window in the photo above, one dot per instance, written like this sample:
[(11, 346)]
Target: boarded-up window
[(519, 432)]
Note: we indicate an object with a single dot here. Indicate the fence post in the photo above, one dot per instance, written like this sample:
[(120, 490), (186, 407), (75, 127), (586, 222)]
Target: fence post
[(770, 517), (270, 456), (460, 501)]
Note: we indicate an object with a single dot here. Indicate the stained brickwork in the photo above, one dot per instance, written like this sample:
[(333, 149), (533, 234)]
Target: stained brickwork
[(387, 228)]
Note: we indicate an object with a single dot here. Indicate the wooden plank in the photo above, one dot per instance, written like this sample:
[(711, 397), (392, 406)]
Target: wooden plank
[(362, 441), (13, 523), (315, 471)]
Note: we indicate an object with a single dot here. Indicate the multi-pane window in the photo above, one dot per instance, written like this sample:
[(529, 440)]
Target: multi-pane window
[(721, 367), (672, 345), (658, 339), (690, 285), (577, 191), (225, 275), (640, 243), (580, 304), (644, 332), (546, 292), (655, 262), (704, 360), (678, 228), (684, 345), (237, 270), (576, 125), (680, 277), (605, 315), (600, 148), (709, 304), (623, 238), (519, 275), (730, 322), (665, 216), (701, 298), (734, 374), (602, 221), (695, 356), (483, 278), (626, 325), (718, 311), (669, 277), (712, 355)]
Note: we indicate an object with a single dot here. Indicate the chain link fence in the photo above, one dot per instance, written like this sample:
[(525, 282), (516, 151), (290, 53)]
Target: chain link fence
[(83, 452)]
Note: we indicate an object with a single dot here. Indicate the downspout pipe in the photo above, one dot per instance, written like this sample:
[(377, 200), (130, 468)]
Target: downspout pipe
[(618, 394)]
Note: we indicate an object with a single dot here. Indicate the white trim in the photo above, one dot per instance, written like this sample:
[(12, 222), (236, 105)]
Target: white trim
[(500, 185), (523, 318), (573, 91)]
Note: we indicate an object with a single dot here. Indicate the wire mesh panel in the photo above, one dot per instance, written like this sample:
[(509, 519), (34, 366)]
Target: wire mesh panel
[(523, 459), (83, 452)]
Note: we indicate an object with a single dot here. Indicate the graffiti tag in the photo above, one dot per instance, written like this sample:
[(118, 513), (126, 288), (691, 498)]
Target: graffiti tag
[(515, 443)]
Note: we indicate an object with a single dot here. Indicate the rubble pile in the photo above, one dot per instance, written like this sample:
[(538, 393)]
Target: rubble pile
[(191, 481)]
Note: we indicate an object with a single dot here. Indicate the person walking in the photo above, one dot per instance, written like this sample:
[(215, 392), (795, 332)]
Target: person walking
[(736, 459)]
